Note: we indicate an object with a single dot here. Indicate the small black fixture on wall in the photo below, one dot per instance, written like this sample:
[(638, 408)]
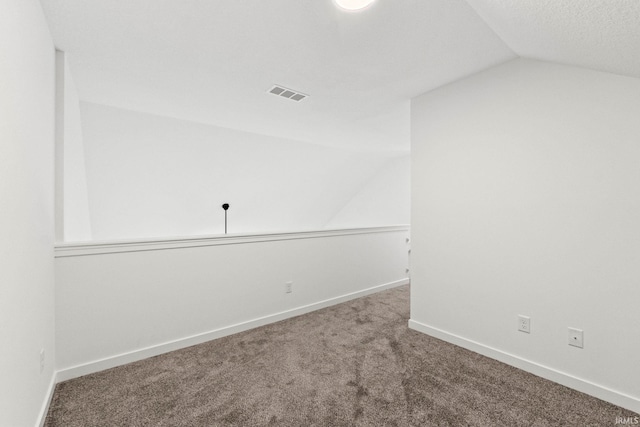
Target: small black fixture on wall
[(225, 207)]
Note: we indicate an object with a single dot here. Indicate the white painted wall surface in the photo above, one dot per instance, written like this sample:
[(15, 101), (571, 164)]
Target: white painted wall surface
[(77, 226), (525, 200), (151, 176), (113, 308), (384, 199), (26, 212)]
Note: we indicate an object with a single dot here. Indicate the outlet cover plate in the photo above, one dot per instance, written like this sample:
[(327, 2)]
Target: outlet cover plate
[(576, 337), (524, 324)]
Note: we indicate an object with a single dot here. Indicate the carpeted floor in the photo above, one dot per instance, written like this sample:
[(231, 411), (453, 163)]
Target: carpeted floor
[(354, 364)]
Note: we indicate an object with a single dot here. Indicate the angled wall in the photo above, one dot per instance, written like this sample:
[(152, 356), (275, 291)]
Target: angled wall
[(525, 200), (383, 200), (151, 176), (27, 89)]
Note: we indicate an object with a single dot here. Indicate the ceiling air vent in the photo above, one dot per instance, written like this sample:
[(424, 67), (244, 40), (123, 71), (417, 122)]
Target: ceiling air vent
[(287, 93)]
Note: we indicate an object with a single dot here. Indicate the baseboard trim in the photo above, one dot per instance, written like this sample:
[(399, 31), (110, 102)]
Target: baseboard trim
[(136, 355), (42, 417), (617, 398)]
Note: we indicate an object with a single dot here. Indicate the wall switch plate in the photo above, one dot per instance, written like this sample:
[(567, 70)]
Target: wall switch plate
[(288, 287), (41, 360), (524, 323), (576, 337)]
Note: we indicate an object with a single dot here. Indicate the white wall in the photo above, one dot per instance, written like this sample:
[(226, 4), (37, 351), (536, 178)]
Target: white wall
[(384, 199), (113, 308), (26, 212), (526, 199), (77, 224), (151, 176)]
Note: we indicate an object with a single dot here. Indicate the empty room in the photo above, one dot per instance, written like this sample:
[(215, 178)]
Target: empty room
[(319, 213)]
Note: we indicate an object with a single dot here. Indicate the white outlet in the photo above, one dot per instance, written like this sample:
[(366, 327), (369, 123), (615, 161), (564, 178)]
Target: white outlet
[(524, 324), (41, 360), (576, 337), (288, 287)]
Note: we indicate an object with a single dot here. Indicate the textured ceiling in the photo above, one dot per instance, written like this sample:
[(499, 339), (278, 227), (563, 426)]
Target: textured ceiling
[(598, 34), (214, 61)]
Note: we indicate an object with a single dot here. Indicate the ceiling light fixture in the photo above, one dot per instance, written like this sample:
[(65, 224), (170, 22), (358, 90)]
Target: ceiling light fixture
[(353, 4)]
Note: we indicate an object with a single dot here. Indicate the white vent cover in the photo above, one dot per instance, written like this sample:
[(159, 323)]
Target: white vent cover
[(287, 93)]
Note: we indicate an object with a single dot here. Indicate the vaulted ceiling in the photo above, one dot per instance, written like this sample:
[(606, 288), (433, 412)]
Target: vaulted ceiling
[(214, 61), (598, 34)]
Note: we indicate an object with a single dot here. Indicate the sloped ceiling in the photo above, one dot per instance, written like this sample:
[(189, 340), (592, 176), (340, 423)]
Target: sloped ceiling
[(598, 34), (214, 61)]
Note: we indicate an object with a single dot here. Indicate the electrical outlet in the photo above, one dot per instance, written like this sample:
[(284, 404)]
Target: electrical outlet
[(524, 323), (288, 287), (41, 360), (576, 337)]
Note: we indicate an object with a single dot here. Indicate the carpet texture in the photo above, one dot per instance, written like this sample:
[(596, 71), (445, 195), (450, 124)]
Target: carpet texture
[(353, 364)]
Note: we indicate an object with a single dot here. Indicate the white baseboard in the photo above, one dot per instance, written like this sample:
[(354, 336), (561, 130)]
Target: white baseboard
[(617, 398), (47, 401), (134, 356)]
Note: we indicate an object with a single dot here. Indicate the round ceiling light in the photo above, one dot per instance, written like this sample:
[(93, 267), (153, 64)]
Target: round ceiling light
[(353, 4)]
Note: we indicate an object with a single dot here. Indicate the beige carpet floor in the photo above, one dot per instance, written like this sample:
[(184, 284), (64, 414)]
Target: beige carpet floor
[(353, 364)]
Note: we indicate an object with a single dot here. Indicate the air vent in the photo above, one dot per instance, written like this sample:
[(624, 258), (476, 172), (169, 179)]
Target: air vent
[(287, 93)]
